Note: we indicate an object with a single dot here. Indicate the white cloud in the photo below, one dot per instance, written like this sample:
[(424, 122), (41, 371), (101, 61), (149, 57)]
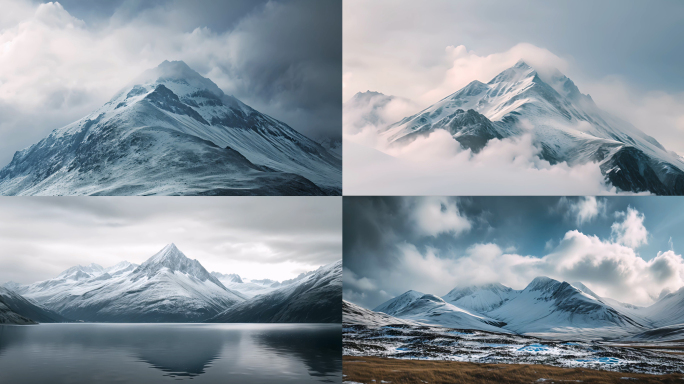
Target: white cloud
[(437, 165), (585, 209), (438, 215), (608, 266), (631, 231)]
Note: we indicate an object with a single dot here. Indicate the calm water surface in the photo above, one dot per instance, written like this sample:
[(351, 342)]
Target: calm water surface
[(163, 353)]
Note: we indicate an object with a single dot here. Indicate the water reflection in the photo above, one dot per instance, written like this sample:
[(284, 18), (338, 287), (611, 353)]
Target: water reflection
[(318, 348), (211, 353)]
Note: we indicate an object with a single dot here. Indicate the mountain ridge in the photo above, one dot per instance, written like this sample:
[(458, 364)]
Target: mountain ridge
[(545, 307), (566, 125), (173, 132)]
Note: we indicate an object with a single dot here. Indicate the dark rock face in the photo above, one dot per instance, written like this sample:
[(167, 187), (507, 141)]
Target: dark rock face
[(629, 169), (314, 299)]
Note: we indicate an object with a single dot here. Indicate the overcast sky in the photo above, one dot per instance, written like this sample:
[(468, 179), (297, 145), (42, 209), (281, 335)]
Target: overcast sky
[(255, 237), (626, 54), (60, 61), (625, 248)]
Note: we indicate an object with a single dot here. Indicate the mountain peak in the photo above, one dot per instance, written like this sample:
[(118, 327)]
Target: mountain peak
[(177, 76), (173, 260), (514, 74), (521, 64), (541, 282), (169, 253)]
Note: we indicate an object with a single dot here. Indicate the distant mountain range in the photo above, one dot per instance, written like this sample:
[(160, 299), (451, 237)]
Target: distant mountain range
[(565, 124), (170, 287), (174, 132), (545, 308)]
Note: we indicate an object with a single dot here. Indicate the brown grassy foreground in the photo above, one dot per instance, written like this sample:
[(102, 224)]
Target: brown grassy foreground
[(366, 369)]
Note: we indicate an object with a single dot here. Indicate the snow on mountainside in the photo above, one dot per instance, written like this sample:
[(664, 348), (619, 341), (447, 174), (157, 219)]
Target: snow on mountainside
[(25, 308), (398, 303), (168, 287), (669, 310), (565, 124), (353, 314), (480, 298), (334, 146), (545, 308), (430, 309), (550, 307), (316, 298), (173, 132)]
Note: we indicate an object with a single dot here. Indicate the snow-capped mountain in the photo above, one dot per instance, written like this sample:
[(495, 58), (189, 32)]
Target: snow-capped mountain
[(398, 303), (668, 311), (354, 314), (228, 278), (248, 288), (173, 132), (430, 309), (565, 124), (316, 298), (168, 287), (482, 298), (546, 308), (27, 309)]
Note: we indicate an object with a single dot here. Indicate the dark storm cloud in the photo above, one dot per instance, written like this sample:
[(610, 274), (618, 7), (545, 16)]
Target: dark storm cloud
[(274, 238), (61, 61), (386, 252)]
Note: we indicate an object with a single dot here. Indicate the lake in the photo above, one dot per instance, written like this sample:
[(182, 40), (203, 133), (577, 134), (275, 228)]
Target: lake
[(163, 353)]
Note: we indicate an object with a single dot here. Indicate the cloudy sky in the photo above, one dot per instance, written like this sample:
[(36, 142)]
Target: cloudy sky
[(627, 55), (626, 248), (60, 61), (255, 237)]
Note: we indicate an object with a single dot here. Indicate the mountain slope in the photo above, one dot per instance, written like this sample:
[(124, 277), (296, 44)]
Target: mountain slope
[(7, 316), (481, 299), (25, 308), (397, 304), (558, 309), (173, 132), (566, 125), (168, 287), (430, 309), (668, 311), (352, 314), (317, 298)]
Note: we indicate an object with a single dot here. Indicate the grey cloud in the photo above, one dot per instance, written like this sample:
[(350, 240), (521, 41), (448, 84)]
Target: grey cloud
[(384, 254), (259, 237)]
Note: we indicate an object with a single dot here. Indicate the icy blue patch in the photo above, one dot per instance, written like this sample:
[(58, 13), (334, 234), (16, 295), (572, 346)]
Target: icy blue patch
[(602, 360), (609, 360), (534, 348)]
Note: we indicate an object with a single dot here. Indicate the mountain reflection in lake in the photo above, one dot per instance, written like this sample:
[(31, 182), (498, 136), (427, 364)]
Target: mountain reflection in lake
[(160, 353)]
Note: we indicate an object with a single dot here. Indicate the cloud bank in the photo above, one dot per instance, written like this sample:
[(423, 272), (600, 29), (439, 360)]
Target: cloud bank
[(401, 257), (276, 238)]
